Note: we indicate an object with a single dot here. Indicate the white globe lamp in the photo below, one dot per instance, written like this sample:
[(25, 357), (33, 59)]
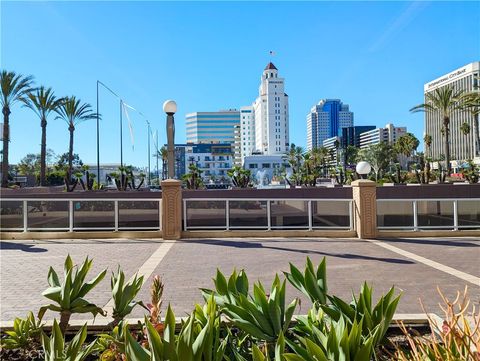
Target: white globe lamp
[(363, 168), (170, 107)]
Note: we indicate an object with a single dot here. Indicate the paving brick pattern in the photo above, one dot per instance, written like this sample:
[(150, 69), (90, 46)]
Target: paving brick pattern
[(191, 264), (462, 254), (24, 268)]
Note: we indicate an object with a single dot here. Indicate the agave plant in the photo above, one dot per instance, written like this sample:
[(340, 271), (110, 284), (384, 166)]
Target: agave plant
[(199, 338), (56, 350), (112, 345), (24, 333), (263, 353), (226, 291), (362, 311), (312, 283), (336, 340), (68, 296), (262, 316), (123, 294)]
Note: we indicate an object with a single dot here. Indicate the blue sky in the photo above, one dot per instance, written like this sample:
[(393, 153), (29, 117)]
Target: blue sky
[(375, 56)]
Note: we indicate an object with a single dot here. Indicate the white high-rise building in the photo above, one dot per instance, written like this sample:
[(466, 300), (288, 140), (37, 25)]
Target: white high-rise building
[(247, 132), (271, 114), (388, 134), (462, 146)]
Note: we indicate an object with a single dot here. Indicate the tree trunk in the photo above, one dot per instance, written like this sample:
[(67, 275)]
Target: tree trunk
[(6, 139), (476, 133), (43, 153), (71, 129), (446, 126), (64, 319)]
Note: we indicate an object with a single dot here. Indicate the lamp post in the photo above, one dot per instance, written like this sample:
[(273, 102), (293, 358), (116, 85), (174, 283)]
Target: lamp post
[(170, 107), (363, 168)]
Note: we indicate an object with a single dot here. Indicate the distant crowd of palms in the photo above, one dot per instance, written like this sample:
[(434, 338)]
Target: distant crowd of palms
[(16, 88), (306, 167), (445, 101)]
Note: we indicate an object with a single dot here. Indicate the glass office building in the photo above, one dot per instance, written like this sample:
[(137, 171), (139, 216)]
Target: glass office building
[(212, 127)]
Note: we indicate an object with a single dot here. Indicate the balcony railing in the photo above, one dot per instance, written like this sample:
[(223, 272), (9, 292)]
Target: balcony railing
[(424, 214), (83, 214), (267, 214)]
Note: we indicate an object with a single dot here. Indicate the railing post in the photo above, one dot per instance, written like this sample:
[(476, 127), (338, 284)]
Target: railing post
[(227, 214), (171, 209), (455, 215), (365, 200), (70, 216), (415, 216), (159, 214), (184, 214), (269, 220), (310, 215), (25, 216), (350, 214), (115, 206)]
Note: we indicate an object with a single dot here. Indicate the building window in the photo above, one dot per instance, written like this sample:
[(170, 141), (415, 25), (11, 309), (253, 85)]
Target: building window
[(265, 165), (253, 165)]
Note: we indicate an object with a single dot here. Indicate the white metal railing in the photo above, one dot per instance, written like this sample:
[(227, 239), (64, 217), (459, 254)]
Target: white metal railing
[(446, 214), (227, 222), (70, 217)]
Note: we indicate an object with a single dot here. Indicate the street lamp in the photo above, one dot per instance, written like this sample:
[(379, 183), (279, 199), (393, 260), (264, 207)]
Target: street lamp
[(170, 107), (363, 168)]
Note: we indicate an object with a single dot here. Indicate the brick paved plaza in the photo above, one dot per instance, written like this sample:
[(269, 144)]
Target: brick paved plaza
[(187, 265)]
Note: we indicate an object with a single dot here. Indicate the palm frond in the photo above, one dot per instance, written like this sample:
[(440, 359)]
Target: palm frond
[(73, 111), (42, 101), (14, 87)]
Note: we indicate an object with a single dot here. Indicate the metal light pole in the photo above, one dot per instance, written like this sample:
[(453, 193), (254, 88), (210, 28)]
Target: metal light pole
[(170, 107), (121, 133), (148, 135), (98, 141), (98, 125)]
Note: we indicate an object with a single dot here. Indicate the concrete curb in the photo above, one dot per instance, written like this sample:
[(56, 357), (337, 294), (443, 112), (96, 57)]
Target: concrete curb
[(101, 324)]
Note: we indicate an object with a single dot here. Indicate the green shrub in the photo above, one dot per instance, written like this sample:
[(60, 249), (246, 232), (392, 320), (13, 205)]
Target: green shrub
[(56, 349), (260, 315), (24, 333), (312, 283), (334, 340), (123, 294), (361, 310), (69, 295)]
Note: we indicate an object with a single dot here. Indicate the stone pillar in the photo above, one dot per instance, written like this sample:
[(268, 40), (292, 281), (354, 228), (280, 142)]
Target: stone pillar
[(171, 209), (365, 208)]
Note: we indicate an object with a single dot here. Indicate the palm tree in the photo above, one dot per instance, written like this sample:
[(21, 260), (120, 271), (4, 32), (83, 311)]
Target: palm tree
[(73, 112), (14, 88), (42, 101), (193, 179), (406, 145), (294, 157), (427, 139), (379, 156), (163, 153), (350, 154), (445, 101)]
